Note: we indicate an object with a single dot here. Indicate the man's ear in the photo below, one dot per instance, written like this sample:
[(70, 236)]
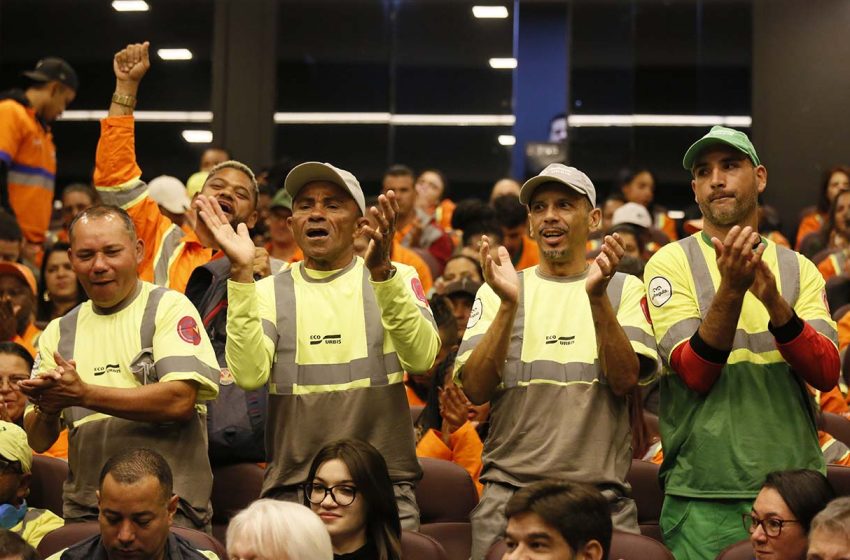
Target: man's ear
[(172, 507), (694, 189), (361, 223), (594, 218), (140, 251), (24, 486), (591, 551), (761, 178)]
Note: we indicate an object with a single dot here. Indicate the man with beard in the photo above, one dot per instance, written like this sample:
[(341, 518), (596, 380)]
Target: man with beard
[(171, 252), (556, 349), (741, 325)]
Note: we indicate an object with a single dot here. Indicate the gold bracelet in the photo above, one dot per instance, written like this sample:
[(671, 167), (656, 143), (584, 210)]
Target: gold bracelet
[(124, 99)]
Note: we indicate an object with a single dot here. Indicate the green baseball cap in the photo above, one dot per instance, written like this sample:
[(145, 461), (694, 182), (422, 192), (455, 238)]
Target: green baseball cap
[(282, 200), (721, 135)]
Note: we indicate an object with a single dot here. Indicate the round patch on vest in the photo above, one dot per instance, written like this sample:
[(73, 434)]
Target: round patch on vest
[(418, 290), (225, 377), (660, 291), (188, 330), (475, 314)]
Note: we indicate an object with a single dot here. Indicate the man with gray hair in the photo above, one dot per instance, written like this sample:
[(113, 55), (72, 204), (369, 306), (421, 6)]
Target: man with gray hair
[(556, 349), (137, 374), (829, 537), (171, 253)]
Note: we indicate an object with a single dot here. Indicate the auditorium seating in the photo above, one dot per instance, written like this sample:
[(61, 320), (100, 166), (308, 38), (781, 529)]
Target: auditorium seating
[(837, 426), (48, 476), (234, 488), (646, 491), (73, 533), (417, 546), (739, 551), (446, 496)]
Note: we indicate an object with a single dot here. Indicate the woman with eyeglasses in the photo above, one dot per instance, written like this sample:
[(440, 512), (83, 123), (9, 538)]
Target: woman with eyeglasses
[(783, 511), (349, 488)]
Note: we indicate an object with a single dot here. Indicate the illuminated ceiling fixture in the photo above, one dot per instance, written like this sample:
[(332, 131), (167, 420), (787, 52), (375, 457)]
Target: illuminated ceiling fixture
[(507, 140), (130, 6), (198, 136), (500, 63), (490, 12), (174, 54)]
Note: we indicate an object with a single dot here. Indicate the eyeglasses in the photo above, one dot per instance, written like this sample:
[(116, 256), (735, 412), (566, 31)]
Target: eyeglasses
[(771, 526), (10, 466), (342, 494)]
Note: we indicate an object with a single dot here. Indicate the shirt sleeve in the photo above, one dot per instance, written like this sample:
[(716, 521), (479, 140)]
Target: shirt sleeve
[(11, 131), (251, 331), (117, 178), (484, 310), (181, 348), (633, 316), (811, 304), (407, 319), (671, 299)]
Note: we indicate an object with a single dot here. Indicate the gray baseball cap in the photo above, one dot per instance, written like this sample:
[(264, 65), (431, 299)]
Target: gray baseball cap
[(311, 171), (559, 173)]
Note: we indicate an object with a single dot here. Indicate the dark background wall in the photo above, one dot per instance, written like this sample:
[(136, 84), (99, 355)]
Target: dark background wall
[(801, 77)]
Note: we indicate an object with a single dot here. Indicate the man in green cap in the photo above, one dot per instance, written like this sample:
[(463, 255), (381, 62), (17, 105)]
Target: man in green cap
[(742, 326)]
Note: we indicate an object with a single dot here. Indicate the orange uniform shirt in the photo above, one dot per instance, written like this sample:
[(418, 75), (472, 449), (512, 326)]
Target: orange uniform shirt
[(465, 450), (26, 147), (810, 223), (529, 256), (403, 255), (171, 254)]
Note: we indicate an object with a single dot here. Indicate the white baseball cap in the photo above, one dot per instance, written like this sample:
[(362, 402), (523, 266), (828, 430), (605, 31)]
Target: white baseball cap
[(559, 173), (311, 171), (632, 213), (170, 193)]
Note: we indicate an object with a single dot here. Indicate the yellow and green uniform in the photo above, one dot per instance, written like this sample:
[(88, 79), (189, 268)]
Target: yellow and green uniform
[(110, 350), (37, 523), (757, 418), (333, 347), (553, 414)]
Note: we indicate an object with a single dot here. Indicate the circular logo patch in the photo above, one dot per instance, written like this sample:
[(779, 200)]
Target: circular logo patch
[(660, 291), (475, 314), (418, 290), (188, 330), (225, 377)]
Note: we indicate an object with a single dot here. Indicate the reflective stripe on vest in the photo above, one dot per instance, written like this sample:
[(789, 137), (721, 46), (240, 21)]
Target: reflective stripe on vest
[(758, 343), (516, 372), (68, 338), (371, 371), (166, 254)]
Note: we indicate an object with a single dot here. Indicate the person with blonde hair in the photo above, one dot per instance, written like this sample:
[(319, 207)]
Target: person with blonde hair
[(274, 530)]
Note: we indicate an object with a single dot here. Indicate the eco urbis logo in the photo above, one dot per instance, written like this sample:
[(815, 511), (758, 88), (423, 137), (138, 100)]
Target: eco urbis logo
[(562, 340), (326, 339), (108, 368)]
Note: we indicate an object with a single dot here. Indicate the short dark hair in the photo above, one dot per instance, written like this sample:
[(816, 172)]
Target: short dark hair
[(9, 228), (490, 228), (470, 211), (12, 545), (444, 317), (16, 349), (577, 511), (372, 479), (102, 211), (805, 492), (132, 465), (399, 170), (510, 212)]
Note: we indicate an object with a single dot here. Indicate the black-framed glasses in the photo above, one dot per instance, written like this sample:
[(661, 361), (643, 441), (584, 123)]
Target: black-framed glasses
[(772, 526), (342, 494), (10, 466)]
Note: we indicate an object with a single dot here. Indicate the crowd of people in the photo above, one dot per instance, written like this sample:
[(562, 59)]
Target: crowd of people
[(160, 329)]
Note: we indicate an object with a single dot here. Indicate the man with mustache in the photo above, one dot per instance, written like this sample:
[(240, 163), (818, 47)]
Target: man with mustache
[(742, 325), (556, 349)]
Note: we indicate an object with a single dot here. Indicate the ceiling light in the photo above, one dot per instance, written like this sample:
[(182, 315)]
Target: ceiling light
[(198, 136), (509, 63), (130, 6), (174, 54), (507, 140), (490, 12)]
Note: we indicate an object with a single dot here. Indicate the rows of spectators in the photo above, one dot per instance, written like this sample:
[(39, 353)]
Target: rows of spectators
[(287, 319)]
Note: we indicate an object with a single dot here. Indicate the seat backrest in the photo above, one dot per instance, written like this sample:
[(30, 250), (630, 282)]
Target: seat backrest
[(48, 476), (72, 533), (455, 538), (839, 478), (837, 426), (446, 492), (624, 546), (652, 425), (416, 412), (416, 546), (234, 488), (646, 490), (739, 551)]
